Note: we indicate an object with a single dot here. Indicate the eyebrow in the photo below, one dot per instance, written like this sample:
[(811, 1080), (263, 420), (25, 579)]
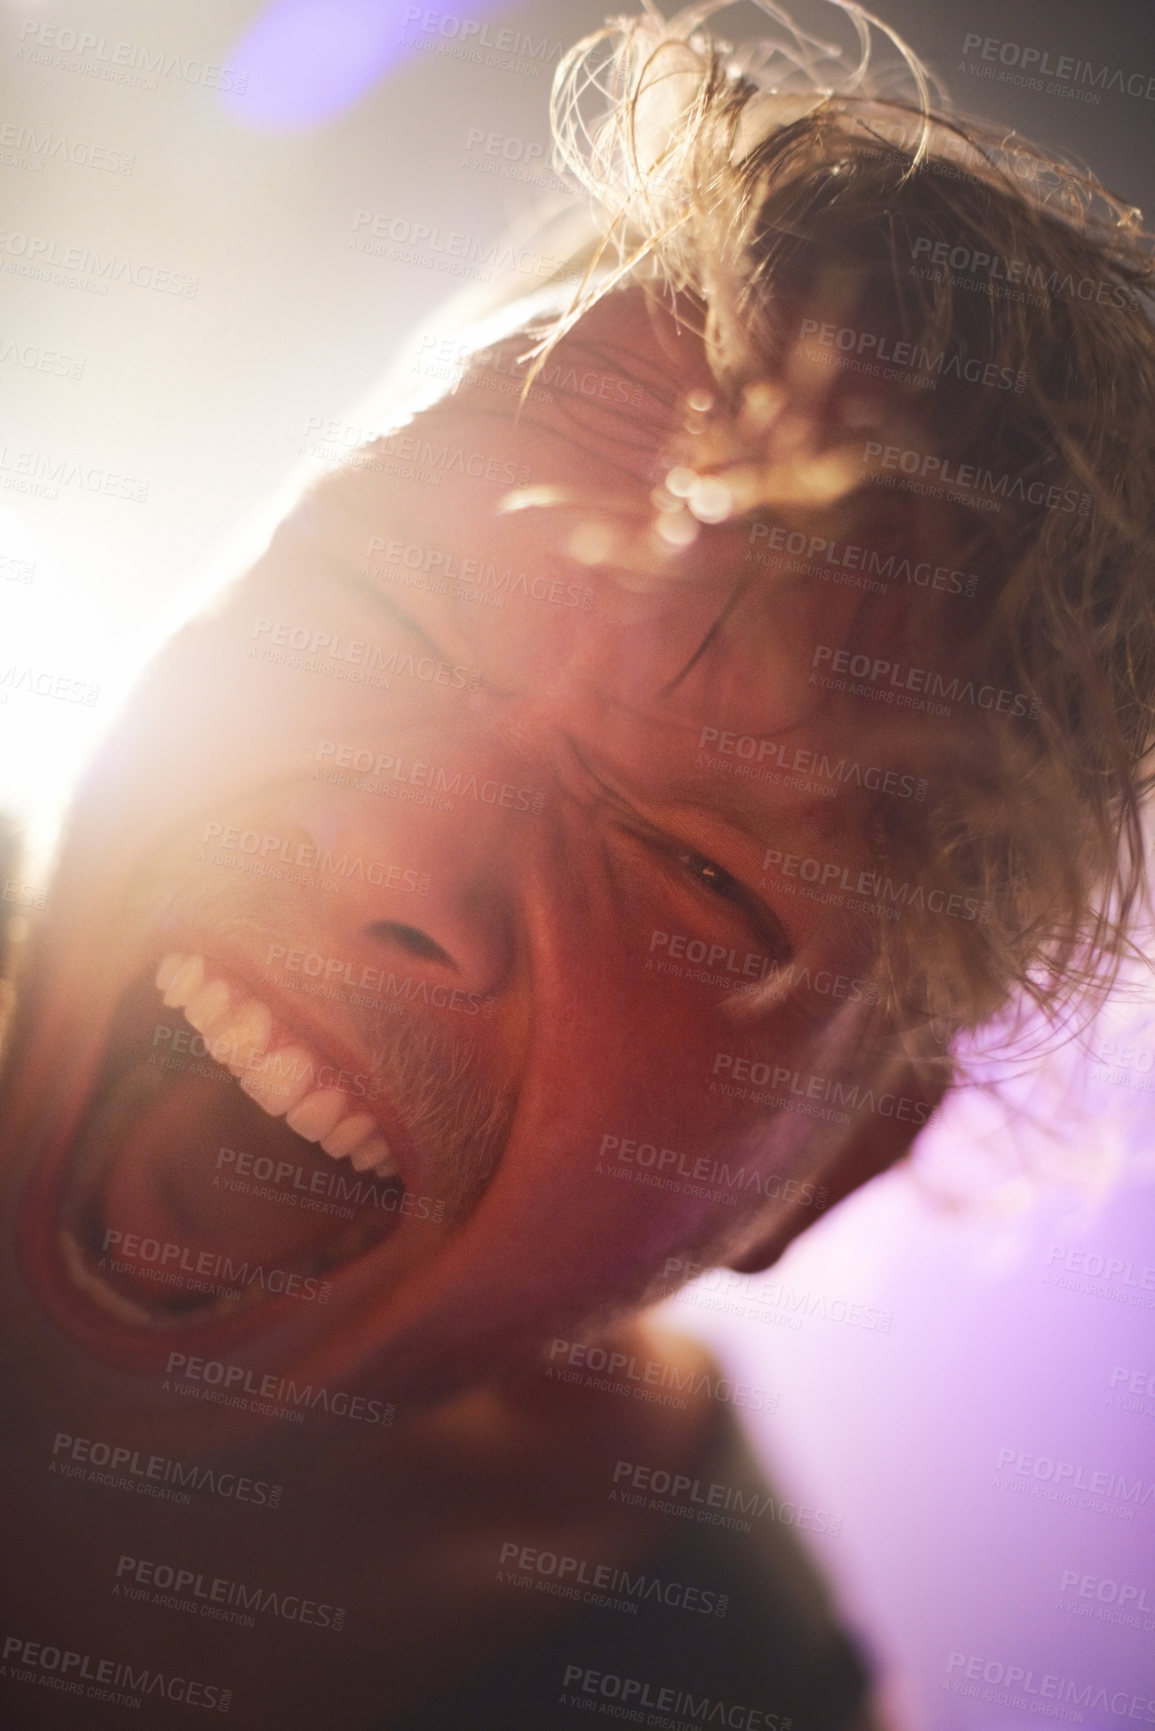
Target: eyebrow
[(747, 820)]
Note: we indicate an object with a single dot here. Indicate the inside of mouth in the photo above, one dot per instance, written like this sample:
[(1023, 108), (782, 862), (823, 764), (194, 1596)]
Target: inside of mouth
[(186, 1201)]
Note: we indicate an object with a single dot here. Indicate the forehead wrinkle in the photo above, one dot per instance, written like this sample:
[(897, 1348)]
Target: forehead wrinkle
[(712, 634), (634, 337), (655, 381), (570, 427)]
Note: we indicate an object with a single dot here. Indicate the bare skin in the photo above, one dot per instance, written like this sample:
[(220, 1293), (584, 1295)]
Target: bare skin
[(522, 910)]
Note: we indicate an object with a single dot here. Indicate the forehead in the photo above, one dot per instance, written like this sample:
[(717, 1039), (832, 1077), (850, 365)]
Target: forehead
[(422, 620), (613, 387), (533, 482), (509, 531)]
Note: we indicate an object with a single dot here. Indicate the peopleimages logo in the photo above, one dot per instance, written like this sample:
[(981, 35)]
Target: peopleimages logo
[(445, 357), (381, 767), (828, 881), (1139, 1382), (111, 1680), (215, 1596), (60, 46), (846, 1096), (35, 359), (14, 570), (973, 267), (553, 1571), (586, 1686), (405, 453), (1107, 1592), (881, 356), (477, 41), (711, 1502), (854, 562), (79, 1457), (291, 851), (39, 253), (1099, 1275), (58, 686), (1075, 1260), (23, 146), (926, 471), (481, 574), (731, 1181), (683, 957), (1022, 1686), (244, 1387), (453, 251), (1058, 1481), (174, 1040), (369, 979), (650, 1375), (1038, 63), (181, 1265), (44, 475), (316, 1190), (726, 1290), (892, 676), (767, 759), (352, 658)]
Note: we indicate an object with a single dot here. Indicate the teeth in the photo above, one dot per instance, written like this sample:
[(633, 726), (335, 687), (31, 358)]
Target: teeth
[(318, 1113), (349, 1134), (209, 1006), (240, 1033), (185, 982), (169, 968), (283, 1079), (375, 1156), (244, 1036)]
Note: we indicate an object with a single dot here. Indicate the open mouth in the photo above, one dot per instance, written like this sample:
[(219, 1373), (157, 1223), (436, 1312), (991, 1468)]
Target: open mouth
[(221, 1163)]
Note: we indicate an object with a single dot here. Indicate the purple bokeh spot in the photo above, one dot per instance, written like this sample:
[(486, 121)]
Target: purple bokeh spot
[(303, 62)]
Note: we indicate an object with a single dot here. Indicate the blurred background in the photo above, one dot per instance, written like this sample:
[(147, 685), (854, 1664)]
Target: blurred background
[(195, 313)]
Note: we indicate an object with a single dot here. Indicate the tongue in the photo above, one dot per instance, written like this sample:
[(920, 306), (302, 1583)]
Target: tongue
[(202, 1173)]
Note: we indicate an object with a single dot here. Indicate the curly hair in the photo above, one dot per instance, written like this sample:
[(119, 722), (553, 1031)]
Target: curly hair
[(780, 196)]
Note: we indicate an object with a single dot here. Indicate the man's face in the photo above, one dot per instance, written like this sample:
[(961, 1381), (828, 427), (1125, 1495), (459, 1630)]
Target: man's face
[(436, 830)]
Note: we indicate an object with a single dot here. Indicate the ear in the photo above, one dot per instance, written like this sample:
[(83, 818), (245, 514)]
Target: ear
[(870, 1149)]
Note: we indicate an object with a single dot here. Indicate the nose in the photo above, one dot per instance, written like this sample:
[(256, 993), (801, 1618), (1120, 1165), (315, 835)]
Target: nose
[(426, 879)]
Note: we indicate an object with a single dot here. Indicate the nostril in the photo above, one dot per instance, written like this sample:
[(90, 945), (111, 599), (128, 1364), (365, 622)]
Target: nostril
[(410, 938)]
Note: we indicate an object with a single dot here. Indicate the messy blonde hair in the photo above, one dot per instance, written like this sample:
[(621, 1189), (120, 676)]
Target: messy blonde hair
[(745, 185)]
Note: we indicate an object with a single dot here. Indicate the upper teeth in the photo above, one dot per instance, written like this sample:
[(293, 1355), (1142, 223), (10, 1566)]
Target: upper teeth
[(272, 1068)]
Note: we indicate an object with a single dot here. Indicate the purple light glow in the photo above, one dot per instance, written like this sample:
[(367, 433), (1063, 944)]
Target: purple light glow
[(303, 62), (973, 1446)]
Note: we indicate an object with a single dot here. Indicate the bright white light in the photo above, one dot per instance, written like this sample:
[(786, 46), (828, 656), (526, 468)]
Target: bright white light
[(56, 650)]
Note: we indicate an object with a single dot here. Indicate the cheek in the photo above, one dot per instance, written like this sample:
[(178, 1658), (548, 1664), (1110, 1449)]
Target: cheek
[(633, 1143)]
